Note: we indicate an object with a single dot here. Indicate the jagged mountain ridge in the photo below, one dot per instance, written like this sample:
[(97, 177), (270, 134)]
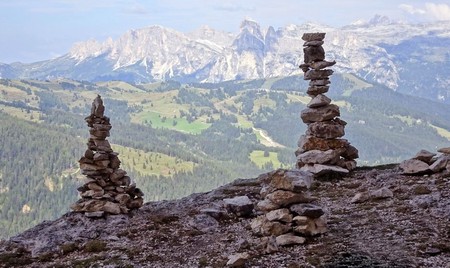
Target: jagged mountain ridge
[(376, 50)]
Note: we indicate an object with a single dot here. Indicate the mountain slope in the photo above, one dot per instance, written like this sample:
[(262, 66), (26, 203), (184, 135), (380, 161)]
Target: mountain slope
[(410, 58)]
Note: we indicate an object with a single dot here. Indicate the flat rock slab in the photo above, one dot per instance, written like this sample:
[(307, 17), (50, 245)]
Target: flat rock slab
[(414, 167), (325, 113), (290, 239), (313, 37), (319, 170), (307, 210)]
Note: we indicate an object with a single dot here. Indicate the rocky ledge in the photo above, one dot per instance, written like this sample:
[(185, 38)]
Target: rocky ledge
[(376, 217)]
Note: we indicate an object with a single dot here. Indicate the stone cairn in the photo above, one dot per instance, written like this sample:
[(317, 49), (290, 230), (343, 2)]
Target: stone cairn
[(321, 150), (107, 188), (289, 216)]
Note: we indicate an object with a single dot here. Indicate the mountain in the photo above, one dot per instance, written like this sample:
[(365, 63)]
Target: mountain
[(410, 58), (176, 139)]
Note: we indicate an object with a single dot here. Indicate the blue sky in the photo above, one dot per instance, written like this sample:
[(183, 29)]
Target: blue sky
[(33, 30)]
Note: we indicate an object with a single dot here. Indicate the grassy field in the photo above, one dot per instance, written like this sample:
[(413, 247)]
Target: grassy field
[(260, 160), (157, 120), (150, 163), (358, 84)]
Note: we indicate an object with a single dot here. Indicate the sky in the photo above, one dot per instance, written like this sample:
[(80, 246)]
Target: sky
[(34, 30)]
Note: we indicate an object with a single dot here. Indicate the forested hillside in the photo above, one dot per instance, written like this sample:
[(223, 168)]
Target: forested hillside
[(175, 139)]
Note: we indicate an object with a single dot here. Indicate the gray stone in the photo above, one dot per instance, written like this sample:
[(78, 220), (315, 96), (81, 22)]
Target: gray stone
[(424, 155), (325, 113), (292, 180), (359, 198), (381, 193), (290, 239), (282, 214), (237, 260), (326, 130), (266, 205), (317, 74), (319, 82), (316, 90), (312, 54), (95, 214), (445, 150), (313, 227), (285, 198), (262, 226), (319, 157), (319, 169), (112, 208), (307, 210), (239, 205), (414, 167), (319, 101), (317, 65), (313, 37), (308, 142), (439, 164), (313, 43), (350, 152)]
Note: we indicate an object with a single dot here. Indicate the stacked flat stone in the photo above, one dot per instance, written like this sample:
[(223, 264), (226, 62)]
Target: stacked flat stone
[(288, 212), (107, 188), (322, 150)]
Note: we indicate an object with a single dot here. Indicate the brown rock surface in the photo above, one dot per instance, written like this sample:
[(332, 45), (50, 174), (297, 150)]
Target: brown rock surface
[(395, 232)]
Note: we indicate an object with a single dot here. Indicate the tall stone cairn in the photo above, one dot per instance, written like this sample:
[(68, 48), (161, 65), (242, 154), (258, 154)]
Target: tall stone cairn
[(322, 150), (107, 188)]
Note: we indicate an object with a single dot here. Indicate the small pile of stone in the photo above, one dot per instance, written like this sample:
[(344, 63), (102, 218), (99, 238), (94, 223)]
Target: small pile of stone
[(288, 214), (425, 162), (321, 150), (107, 188)]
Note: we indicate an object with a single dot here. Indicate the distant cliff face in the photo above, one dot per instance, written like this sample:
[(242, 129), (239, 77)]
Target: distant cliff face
[(405, 57), (376, 218)]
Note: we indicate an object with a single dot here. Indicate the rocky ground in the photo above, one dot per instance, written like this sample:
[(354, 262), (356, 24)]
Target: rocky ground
[(377, 217)]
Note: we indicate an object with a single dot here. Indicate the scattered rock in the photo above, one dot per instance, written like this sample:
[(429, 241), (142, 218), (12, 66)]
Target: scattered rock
[(424, 155), (360, 198), (414, 167), (381, 193), (240, 205), (290, 239), (421, 189), (238, 260)]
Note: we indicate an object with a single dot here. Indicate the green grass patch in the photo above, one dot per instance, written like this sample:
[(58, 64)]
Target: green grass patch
[(158, 120), (151, 163), (260, 160)]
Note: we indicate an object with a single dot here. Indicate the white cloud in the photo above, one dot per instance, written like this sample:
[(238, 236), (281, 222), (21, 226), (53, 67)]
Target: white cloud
[(438, 11), (431, 11)]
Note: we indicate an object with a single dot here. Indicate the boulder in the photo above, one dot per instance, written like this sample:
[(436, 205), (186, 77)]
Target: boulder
[(439, 164), (424, 155), (319, 101), (350, 153), (359, 198), (414, 167), (326, 130), (289, 239), (239, 205), (325, 113)]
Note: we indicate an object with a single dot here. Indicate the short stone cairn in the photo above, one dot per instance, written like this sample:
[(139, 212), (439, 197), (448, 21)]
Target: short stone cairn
[(289, 216), (322, 150), (107, 188)]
